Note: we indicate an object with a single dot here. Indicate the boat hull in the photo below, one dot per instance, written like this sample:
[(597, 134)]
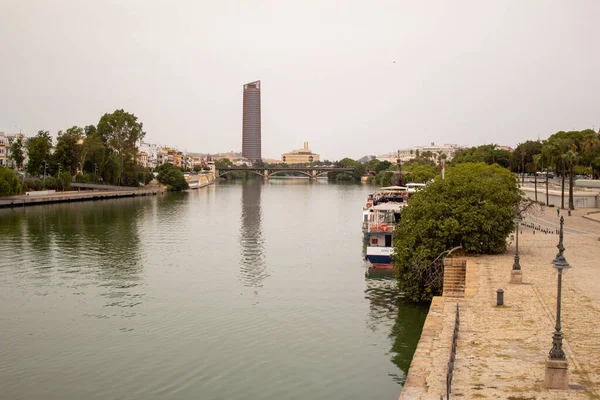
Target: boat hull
[(379, 255)]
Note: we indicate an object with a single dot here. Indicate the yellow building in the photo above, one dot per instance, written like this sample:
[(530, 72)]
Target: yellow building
[(300, 156)]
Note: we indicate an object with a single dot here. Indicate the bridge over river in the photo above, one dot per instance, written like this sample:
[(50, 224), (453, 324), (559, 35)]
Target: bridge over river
[(310, 172)]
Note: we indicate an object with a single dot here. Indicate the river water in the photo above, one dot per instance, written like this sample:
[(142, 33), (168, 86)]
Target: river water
[(236, 291)]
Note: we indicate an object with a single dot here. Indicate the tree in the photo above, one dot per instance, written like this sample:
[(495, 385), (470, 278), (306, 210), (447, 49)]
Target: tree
[(524, 153), (197, 168), (419, 172), (38, 148), (9, 182), (536, 162), (571, 157), (172, 177), (122, 131), (473, 207), (90, 130), (69, 149), (223, 163), (16, 152)]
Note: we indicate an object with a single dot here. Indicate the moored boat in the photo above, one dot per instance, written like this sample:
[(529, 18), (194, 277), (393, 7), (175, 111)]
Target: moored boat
[(378, 231)]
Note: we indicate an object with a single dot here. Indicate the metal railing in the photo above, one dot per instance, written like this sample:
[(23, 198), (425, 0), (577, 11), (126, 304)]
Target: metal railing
[(450, 372)]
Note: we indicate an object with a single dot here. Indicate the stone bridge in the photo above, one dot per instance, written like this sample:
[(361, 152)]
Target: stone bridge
[(310, 172)]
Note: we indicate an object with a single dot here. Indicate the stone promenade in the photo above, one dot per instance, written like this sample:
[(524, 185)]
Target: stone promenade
[(501, 350)]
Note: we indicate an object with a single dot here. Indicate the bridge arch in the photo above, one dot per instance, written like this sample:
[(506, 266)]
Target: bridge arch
[(324, 173), (225, 172), (303, 172)]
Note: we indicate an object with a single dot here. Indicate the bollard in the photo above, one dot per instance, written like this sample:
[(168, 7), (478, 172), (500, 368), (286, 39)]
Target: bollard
[(499, 297)]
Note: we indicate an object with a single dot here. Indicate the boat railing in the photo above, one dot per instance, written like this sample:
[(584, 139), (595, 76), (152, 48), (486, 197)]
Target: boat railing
[(383, 227)]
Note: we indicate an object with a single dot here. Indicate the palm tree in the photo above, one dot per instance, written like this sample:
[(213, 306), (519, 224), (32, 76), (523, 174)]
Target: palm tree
[(571, 158), (536, 161), (562, 147)]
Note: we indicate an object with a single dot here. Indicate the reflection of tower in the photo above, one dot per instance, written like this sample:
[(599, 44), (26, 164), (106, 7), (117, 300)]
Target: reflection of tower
[(252, 264), (251, 124)]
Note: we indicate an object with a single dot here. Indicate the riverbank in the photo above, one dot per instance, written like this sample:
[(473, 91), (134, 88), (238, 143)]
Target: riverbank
[(70, 196), (501, 351)]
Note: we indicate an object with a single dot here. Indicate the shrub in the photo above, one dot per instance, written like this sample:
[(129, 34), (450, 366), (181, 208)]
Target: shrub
[(473, 207), (172, 177), (50, 183), (64, 180), (9, 182), (32, 184)]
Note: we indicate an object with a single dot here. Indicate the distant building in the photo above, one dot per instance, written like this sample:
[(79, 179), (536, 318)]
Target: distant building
[(300, 156), (408, 154), (251, 123), (6, 142)]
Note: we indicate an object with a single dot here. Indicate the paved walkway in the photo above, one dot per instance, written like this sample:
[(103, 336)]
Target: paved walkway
[(501, 350)]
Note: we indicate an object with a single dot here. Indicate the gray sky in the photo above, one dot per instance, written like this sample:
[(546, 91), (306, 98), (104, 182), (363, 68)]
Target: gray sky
[(350, 77)]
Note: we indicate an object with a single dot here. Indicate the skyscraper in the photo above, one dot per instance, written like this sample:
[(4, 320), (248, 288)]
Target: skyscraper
[(251, 145)]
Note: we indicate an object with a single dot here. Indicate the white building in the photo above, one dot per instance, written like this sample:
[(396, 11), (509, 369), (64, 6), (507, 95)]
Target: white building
[(150, 158), (409, 153), (6, 141)]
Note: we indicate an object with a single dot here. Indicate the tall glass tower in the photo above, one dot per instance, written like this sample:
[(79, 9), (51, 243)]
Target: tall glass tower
[(251, 145)]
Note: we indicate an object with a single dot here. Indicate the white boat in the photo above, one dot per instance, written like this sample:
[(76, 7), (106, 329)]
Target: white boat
[(378, 230)]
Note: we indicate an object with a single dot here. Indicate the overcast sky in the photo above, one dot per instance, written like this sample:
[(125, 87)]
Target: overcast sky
[(351, 77)]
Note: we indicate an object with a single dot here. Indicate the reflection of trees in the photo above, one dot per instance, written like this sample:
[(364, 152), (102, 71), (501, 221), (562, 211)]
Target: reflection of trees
[(252, 264), (406, 333), (98, 238), (387, 305)]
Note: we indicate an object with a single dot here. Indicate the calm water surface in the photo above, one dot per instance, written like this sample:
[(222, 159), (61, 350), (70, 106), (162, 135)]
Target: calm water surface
[(237, 291)]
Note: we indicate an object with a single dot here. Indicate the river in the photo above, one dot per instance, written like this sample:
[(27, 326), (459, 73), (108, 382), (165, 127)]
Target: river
[(236, 291)]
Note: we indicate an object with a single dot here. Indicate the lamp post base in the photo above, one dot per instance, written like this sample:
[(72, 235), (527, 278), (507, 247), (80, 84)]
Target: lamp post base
[(516, 276), (557, 374)]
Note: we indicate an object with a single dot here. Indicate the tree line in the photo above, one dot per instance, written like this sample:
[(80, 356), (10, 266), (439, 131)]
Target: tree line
[(102, 153)]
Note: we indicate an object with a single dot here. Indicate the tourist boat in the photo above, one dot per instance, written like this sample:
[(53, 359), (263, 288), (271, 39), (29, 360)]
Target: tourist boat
[(395, 195), (379, 230)]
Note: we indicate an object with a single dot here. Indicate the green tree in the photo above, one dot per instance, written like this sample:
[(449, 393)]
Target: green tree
[(422, 173), (223, 163), (473, 207), (38, 148), (528, 149), (9, 182), (90, 130), (571, 158), (537, 159), (172, 177), (16, 152), (122, 131), (69, 149)]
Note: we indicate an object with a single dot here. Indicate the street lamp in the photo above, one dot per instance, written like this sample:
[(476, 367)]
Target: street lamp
[(516, 264), (556, 365), (516, 275), (560, 263)]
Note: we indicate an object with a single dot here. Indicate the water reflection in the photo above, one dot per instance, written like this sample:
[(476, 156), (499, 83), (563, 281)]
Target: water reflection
[(253, 268), (386, 305), (88, 244)]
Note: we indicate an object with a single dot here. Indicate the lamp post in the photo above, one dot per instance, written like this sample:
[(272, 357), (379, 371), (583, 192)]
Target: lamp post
[(556, 365), (516, 264), (516, 275)]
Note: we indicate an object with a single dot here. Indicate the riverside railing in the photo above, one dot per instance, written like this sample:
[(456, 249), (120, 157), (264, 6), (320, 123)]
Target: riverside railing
[(452, 356)]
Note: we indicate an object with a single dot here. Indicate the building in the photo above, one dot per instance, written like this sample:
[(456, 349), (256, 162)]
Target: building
[(251, 126), (300, 156), (434, 150), (6, 142)]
